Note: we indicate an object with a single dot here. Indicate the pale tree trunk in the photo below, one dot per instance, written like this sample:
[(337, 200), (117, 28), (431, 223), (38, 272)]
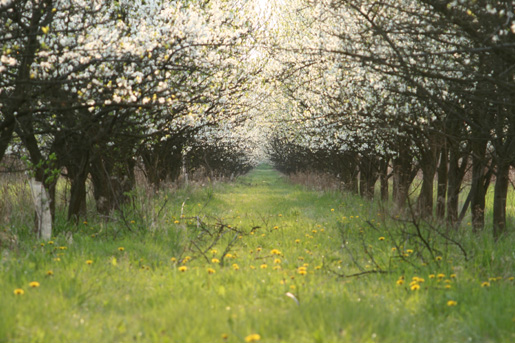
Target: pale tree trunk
[(42, 205)]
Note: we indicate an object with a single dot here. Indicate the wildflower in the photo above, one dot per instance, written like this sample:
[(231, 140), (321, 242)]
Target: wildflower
[(409, 251), (318, 267), (121, 248), (252, 267), (394, 249), (229, 255), (415, 287), (297, 241), (292, 287), (263, 266), (215, 260), (280, 215), (34, 284), (258, 250), (253, 338), (214, 251), (511, 278), (431, 276), (49, 273), (50, 242), (302, 270), (183, 268), (314, 231), (400, 282), (57, 259), (176, 222), (332, 209), (381, 238), (225, 336), (276, 227), (448, 286), (441, 276), (438, 258), (275, 252), (42, 244), (277, 261), (453, 276), (235, 266), (452, 303), (133, 221), (210, 271), (276, 268), (485, 284), (173, 259), (89, 262), (19, 291), (186, 259)]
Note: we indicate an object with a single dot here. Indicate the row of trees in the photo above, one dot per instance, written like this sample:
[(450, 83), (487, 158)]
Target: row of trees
[(88, 89), (389, 88)]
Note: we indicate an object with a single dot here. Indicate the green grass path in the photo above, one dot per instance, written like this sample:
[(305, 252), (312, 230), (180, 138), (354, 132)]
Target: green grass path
[(284, 250)]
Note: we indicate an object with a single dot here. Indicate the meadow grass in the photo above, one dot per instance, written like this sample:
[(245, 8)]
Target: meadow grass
[(258, 259)]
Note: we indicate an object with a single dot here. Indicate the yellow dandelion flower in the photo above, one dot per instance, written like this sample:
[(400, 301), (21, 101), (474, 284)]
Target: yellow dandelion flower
[(89, 261), (297, 241), (452, 276), (235, 267), (511, 278), (275, 252), (409, 251), (438, 258), (276, 227), (34, 284), (415, 287), (229, 255), (302, 271), (42, 244), (57, 259), (50, 242), (133, 221), (276, 268), (485, 284), (394, 249), (121, 248), (448, 286), (441, 276), (259, 249), (263, 266), (19, 291), (215, 260), (252, 338), (173, 259), (280, 215), (252, 267), (292, 287), (225, 336), (400, 282), (332, 209), (452, 303), (431, 276), (211, 271), (381, 238), (214, 251), (49, 273), (183, 268), (277, 261), (318, 267), (314, 231)]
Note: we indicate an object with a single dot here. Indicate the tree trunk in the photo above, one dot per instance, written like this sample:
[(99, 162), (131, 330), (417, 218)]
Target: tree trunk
[(500, 194), (479, 186), (442, 183)]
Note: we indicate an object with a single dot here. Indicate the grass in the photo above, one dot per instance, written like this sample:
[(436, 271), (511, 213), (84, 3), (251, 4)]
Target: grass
[(284, 257)]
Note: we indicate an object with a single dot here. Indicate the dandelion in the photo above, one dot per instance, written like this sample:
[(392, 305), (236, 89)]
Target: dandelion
[(275, 252), (263, 266), (210, 271), (297, 241), (215, 260), (511, 278), (235, 267), (276, 268), (318, 267), (230, 255), (438, 258), (276, 227), (252, 338), (280, 215), (214, 251), (49, 273), (173, 259), (314, 231), (381, 238), (225, 336), (441, 276), (89, 261), (85, 222), (42, 244), (302, 271), (394, 249), (121, 248), (292, 287), (183, 268), (400, 282), (415, 287), (448, 286), (50, 242), (431, 276), (332, 209), (34, 284), (133, 221), (19, 291), (258, 250), (409, 251), (452, 276), (57, 259), (277, 261), (485, 284), (452, 303)]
